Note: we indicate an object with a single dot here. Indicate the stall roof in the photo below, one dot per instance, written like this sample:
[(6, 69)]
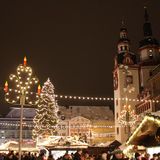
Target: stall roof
[(145, 133)]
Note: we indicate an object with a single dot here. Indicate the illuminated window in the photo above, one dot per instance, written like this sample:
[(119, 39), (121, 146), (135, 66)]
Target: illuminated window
[(117, 115)]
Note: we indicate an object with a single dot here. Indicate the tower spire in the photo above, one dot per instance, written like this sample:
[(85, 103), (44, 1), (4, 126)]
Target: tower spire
[(146, 15), (123, 31), (147, 29), (148, 46), (124, 42), (122, 23)]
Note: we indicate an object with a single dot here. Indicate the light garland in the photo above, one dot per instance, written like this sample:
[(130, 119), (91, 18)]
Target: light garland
[(21, 95), (127, 117), (46, 118), (72, 127), (23, 82), (84, 98), (104, 98), (87, 98)]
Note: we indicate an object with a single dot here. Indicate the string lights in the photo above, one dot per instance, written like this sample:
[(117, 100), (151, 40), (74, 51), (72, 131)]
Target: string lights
[(22, 82), (87, 98), (103, 98), (21, 95), (127, 116), (46, 117), (66, 126)]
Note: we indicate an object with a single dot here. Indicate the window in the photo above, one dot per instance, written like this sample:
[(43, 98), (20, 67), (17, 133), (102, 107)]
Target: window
[(117, 115), (63, 127), (125, 47), (150, 53), (129, 79), (117, 130), (125, 130), (116, 102), (128, 60)]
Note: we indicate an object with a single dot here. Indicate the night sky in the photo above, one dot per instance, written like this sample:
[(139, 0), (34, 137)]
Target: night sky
[(72, 42)]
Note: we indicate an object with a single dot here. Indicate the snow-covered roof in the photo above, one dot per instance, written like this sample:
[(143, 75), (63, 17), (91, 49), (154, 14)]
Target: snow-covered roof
[(150, 129), (27, 113), (96, 112), (155, 114)]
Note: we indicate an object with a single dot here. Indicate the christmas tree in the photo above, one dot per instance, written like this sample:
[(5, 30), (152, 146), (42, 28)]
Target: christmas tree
[(46, 118)]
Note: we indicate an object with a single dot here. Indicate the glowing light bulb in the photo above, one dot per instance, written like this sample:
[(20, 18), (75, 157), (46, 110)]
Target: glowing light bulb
[(25, 61)]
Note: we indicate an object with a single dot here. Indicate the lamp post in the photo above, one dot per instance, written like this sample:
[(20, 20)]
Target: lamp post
[(20, 94)]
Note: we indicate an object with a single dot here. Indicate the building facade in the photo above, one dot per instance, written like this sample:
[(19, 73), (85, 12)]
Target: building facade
[(131, 74), (151, 91), (77, 121), (126, 81)]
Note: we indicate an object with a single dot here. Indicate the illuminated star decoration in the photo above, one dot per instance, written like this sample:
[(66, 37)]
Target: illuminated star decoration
[(22, 82)]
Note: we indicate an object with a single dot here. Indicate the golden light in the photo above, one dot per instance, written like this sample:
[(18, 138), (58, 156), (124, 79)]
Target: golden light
[(23, 81), (25, 61), (39, 89), (6, 87)]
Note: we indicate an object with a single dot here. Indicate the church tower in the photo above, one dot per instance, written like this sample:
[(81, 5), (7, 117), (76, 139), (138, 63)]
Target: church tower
[(149, 51), (125, 80)]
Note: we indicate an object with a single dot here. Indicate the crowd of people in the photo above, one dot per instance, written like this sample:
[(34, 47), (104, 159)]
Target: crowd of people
[(117, 154)]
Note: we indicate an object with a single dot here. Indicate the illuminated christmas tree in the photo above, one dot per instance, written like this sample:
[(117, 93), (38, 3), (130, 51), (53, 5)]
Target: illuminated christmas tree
[(46, 118)]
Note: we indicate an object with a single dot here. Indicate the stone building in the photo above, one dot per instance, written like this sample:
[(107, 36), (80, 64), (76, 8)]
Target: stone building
[(131, 74), (74, 121)]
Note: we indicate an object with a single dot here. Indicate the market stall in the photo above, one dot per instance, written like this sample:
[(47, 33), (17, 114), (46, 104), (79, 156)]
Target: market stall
[(148, 132)]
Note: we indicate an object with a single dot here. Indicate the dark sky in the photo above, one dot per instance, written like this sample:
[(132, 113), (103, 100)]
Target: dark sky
[(72, 41)]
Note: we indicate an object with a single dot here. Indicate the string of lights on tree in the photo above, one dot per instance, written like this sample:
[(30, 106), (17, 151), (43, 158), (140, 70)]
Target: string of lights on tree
[(46, 118)]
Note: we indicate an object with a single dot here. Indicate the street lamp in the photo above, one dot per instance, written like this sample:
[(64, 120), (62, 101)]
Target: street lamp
[(21, 94)]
